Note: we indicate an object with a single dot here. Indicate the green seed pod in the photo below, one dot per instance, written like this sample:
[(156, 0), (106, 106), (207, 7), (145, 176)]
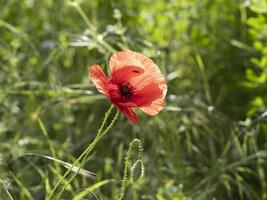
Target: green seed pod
[(137, 171)]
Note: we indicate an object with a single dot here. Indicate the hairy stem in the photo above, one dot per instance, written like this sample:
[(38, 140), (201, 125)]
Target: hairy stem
[(88, 149), (127, 165)]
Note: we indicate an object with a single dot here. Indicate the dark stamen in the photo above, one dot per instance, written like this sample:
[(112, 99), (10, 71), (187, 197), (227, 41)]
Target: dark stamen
[(126, 90)]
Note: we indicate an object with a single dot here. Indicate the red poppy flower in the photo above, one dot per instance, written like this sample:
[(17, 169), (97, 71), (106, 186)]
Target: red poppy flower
[(135, 81)]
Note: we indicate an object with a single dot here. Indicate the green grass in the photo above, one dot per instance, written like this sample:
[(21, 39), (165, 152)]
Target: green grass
[(209, 142)]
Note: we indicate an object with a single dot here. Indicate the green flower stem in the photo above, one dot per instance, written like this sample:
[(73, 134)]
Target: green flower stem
[(92, 145), (88, 149)]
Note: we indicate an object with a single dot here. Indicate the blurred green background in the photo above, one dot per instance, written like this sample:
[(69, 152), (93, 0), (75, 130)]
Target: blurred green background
[(209, 142)]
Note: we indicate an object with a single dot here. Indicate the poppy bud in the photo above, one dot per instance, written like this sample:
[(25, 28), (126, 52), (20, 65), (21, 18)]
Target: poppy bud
[(137, 171)]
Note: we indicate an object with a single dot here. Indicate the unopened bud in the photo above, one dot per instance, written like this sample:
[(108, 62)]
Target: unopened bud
[(137, 171)]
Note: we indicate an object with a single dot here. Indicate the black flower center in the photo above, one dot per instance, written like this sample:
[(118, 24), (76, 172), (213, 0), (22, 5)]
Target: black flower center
[(126, 90)]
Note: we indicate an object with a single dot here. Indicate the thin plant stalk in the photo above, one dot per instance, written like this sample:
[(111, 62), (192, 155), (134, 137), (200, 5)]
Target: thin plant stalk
[(85, 152), (93, 144)]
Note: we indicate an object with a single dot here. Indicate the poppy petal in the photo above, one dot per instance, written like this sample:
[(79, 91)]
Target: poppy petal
[(155, 107), (98, 78), (147, 95), (130, 114), (121, 59), (126, 104), (150, 99), (126, 73), (152, 73)]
